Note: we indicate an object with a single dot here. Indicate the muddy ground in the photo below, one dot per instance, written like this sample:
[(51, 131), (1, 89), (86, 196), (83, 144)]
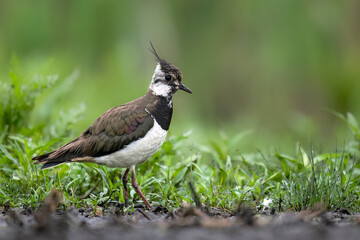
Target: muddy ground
[(111, 222)]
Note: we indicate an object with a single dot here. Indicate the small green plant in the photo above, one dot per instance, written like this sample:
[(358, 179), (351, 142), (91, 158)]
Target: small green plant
[(329, 179), (20, 139), (17, 100)]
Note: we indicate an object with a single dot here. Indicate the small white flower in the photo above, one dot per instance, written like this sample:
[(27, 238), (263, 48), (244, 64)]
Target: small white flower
[(266, 203)]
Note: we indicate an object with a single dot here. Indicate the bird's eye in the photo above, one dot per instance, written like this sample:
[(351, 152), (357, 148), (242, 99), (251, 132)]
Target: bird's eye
[(168, 77)]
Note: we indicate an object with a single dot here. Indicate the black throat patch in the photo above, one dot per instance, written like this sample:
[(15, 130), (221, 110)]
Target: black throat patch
[(162, 112)]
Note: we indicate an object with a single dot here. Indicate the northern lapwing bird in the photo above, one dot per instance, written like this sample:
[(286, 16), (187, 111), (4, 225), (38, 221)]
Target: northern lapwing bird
[(127, 135)]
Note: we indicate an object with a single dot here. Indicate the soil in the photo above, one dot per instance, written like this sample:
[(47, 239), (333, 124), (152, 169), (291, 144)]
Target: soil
[(111, 222)]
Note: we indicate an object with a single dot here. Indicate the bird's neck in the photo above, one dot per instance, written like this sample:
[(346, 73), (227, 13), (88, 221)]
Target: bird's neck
[(160, 108)]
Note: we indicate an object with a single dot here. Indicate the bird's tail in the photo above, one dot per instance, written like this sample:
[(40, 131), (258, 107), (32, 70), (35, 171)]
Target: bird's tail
[(48, 162), (51, 164)]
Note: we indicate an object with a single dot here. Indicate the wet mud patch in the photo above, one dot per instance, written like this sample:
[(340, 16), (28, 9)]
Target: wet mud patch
[(188, 222), (185, 223)]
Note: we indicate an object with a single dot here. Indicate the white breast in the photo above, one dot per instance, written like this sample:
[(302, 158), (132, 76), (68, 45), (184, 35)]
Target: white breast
[(136, 152)]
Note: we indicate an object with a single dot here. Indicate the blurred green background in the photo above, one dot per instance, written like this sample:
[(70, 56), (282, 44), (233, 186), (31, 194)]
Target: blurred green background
[(273, 67)]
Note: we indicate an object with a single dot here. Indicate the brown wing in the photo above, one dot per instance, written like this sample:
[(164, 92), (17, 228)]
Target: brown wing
[(112, 131)]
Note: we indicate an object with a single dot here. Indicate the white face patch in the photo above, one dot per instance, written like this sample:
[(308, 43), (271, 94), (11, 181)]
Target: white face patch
[(158, 72), (160, 88)]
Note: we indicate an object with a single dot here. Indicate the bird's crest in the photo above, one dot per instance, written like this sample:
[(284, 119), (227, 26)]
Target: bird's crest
[(158, 58)]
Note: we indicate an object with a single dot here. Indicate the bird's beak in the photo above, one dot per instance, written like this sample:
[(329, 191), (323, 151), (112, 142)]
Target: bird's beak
[(185, 88)]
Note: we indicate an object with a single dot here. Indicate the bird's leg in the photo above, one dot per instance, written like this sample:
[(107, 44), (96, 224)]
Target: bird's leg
[(125, 179), (136, 186)]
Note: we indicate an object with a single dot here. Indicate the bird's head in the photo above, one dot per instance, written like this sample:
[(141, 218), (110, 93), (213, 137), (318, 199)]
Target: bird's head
[(167, 78)]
